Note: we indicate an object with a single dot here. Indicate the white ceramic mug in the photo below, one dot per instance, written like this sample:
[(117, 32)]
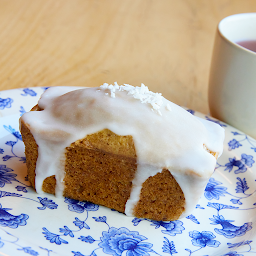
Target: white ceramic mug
[(232, 84)]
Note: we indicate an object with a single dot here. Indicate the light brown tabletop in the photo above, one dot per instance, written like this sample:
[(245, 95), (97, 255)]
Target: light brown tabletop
[(165, 44)]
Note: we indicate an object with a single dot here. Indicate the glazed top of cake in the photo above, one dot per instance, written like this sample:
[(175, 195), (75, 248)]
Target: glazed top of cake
[(165, 135)]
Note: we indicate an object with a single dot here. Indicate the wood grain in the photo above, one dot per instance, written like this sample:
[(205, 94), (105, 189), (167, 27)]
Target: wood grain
[(164, 44)]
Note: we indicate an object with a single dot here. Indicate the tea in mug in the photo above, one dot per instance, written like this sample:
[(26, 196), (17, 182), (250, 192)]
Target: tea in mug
[(248, 44)]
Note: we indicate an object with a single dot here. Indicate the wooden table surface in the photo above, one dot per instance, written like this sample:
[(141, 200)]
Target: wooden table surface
[(165, 44)]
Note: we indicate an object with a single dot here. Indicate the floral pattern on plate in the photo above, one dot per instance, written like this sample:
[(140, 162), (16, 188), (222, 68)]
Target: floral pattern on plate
[(222, 224)]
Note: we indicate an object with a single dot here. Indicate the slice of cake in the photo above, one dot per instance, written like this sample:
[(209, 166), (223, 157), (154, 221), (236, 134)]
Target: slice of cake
[(123, 147)]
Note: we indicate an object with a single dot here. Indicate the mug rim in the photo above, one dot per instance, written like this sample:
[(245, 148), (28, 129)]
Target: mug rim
[(235, 17)]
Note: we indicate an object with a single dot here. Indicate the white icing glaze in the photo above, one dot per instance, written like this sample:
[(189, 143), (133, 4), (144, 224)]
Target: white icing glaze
[(165, 135)]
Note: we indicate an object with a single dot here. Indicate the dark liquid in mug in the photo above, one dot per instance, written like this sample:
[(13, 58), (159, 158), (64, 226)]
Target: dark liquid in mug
[(249, 44)]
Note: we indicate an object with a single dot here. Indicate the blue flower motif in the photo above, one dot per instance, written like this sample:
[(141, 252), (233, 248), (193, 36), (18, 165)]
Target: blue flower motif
[(29, 251), (229, 230), (232, 162), (5, 176), (17, 135), (21, 188), (236, 133), (230, 245), (169, 247), (233, 253), (116, 241), (247, 160), (193, 218), (12, 221), (47, 203), (100, 219), (66, 231), (87, 239), (10, 143), (5, 193), (213, 190), (198, 206), (81, 224), (1, 151), (191, 111), (203, 239), (13, 132), (5, 103), (53, 238), (1, 244), (79, 206), (28, 91), (6, 158), (172, 227), (234, 144), (236, 201), (241, 185), (136, 221), (22, 111), (23, 159)]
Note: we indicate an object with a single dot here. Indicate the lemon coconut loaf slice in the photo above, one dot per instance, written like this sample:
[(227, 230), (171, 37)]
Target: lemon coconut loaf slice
[(122, 147)]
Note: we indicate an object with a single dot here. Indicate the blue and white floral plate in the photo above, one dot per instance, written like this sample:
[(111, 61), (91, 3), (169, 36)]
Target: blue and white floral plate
[(223, 223)]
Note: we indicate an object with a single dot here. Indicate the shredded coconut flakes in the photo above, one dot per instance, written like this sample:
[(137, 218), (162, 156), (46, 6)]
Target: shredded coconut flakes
[(141, 93)]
